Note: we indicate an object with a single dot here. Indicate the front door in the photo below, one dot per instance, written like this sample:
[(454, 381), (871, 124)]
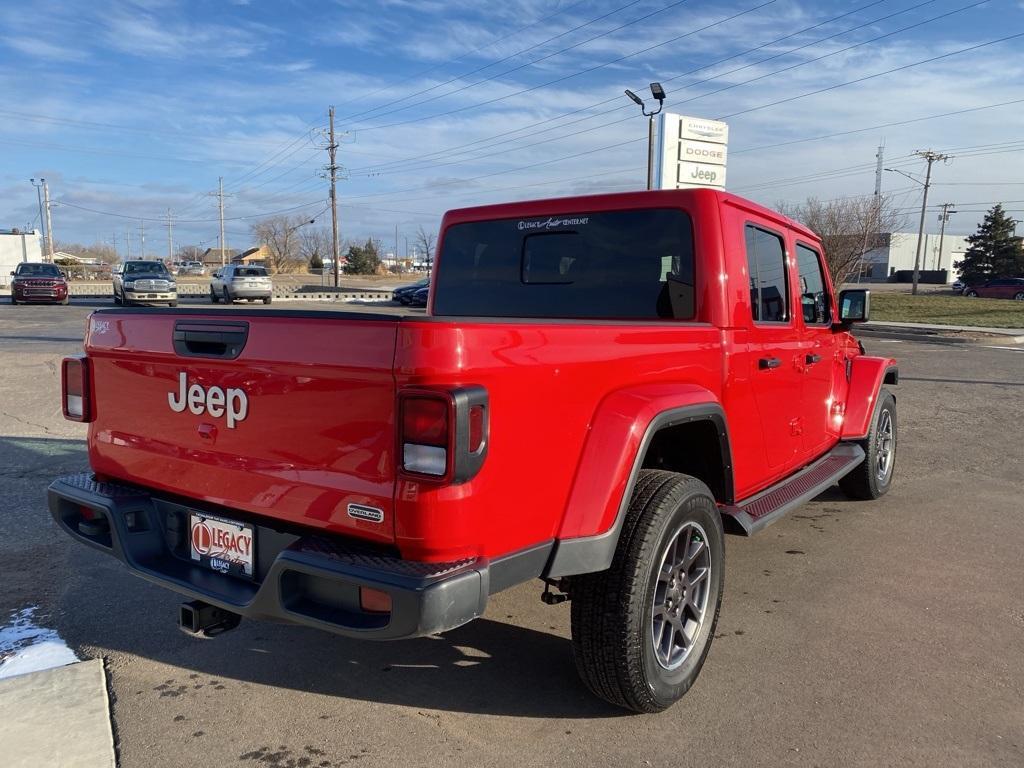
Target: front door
[(824, 376)]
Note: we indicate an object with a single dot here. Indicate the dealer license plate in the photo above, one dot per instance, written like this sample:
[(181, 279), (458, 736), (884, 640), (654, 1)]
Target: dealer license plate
[(224, 545)]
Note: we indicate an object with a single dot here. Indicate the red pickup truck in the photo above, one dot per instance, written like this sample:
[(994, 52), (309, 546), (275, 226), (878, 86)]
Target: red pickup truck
[(601, 387)]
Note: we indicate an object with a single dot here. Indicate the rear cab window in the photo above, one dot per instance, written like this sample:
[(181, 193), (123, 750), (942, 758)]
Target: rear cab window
[(250, 272), (622, 265)]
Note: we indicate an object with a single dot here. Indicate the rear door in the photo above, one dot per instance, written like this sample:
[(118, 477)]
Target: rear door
[(290, 417), (774, 347)]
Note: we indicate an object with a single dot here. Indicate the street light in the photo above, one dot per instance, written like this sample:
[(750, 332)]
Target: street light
[(659, 94)]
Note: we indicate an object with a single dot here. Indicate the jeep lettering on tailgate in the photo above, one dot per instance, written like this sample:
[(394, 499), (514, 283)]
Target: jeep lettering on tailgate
[(215, 401)]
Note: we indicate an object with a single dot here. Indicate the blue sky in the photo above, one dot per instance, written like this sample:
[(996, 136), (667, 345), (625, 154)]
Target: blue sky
[(133, 108)]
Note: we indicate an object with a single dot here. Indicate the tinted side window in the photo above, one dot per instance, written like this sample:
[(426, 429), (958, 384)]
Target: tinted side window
[(814, 301), (628, 265), (766, 262)]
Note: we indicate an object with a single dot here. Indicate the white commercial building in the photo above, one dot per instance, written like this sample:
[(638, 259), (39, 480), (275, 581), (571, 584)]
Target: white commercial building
[(897, 253), (15, 247)]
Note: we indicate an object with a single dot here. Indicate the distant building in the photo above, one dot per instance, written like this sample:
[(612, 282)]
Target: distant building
[(897, 253), (252, 256), (212, 257), (17, 246), (59, 256)]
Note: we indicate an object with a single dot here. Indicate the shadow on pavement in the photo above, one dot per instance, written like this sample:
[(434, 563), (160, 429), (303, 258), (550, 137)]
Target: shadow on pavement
[(485, 667)]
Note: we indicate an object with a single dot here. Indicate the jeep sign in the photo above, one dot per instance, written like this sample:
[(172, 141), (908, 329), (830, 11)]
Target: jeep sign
[(691, 152), (232, 403)]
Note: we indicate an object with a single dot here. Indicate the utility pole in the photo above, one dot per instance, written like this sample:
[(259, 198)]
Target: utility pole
[(170, 240), (142, 237), (49, 221), (930, 157), (113, 243), (332, 149), (947, 209), (876, 206), (39, 196), (219, 194), (396, 247), (128, 243)]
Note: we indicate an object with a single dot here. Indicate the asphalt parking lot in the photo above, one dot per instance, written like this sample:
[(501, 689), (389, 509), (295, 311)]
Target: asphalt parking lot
[(851, 633)]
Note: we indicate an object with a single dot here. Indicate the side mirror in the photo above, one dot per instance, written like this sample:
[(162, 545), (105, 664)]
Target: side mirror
[(854, 306)]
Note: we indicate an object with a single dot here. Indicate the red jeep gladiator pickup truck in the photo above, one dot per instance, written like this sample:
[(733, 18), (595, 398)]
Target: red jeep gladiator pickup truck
[(601, 387)]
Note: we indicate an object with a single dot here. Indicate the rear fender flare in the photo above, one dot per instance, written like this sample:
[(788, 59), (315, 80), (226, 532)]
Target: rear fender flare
[(620, 433), (867, 375)]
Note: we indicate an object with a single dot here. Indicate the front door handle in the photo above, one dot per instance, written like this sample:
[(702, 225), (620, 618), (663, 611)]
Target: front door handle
[(768, 362), (812, 359)]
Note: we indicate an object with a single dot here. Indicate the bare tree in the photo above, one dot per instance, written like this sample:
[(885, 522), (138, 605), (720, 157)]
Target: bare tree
[(315, 246), (425, 243), (189, 253), (280, 236), (849, 228)]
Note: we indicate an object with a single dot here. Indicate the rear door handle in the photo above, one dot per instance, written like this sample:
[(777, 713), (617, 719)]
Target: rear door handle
[(812, 359), (768, 362)]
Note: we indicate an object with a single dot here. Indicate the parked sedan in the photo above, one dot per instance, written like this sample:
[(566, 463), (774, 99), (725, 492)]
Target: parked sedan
[(38, 283), (144, 282), (1000, 288), (419, 297), (404, 294), (241, 281)]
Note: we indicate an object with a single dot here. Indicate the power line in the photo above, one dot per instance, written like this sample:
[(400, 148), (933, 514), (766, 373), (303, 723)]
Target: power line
[(493, 42), (578, 27), (188, 221), (870, 77), (716, 77)]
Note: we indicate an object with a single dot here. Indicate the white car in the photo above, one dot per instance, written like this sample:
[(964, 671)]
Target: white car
[(241, 281)]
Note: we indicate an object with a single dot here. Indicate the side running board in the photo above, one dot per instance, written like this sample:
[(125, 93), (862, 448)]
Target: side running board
[(751, 515)]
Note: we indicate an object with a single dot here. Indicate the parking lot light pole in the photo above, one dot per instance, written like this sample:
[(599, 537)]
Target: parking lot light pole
[(658, 93)]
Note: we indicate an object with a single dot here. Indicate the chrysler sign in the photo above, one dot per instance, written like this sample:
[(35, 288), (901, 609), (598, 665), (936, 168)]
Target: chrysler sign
[(691, 152)]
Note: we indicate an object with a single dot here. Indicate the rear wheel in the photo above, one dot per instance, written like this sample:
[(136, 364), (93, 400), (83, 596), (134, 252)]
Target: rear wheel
[(213, 296), (1018, 296), (227, 296), (873, 477), (267, 300), (972, 294), (642, 629)]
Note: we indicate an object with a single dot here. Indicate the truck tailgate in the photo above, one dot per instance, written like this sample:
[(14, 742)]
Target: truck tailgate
[(285, 415)]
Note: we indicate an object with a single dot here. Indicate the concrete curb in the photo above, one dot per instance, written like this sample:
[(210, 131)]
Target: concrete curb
[(58, 717)]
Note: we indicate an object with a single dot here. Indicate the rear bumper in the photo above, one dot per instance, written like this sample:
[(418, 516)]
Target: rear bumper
[(250, 293), (312, 580)]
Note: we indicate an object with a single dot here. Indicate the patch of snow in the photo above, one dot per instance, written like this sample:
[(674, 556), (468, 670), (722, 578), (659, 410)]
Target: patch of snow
[(26, 647)]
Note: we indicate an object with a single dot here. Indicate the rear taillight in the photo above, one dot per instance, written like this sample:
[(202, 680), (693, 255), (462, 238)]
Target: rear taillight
[(75, 395), (425, 434), (443, 434)]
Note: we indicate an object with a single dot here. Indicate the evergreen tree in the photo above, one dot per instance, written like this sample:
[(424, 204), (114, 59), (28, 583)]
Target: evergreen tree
[(993, 250), (363, 259)]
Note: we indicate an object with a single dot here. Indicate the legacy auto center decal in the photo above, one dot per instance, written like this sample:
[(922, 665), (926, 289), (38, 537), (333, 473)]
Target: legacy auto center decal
[(552, 223)]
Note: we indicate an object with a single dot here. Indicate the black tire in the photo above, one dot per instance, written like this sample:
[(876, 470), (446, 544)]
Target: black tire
[(867, 481), (214, 298), (66, 300), (971, 294), (1018, 296), (14, 301), (227, 296), (117, 300), (613, 610), (267, 300), (172, 303)]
